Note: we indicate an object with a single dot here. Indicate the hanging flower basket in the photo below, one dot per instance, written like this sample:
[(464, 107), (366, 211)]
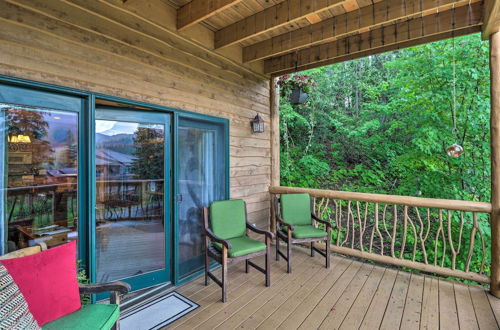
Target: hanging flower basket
[(298, 96), (296, 87)]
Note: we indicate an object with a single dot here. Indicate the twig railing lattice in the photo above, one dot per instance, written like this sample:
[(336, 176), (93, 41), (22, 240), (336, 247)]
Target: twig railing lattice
[(445, 237)]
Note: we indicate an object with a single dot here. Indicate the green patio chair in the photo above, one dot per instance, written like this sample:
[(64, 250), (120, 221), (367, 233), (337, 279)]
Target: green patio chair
[(227, 240), (297, 223)]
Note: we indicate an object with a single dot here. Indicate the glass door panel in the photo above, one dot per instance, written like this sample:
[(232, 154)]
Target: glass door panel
[(131, 185), (201, 181), (40, 184)]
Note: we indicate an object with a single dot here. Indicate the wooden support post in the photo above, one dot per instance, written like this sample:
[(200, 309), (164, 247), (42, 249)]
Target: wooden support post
[(495, 162), (275, 142)]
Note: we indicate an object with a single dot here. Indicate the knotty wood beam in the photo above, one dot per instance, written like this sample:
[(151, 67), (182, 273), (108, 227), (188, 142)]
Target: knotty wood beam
[(199, 10), (495, 162), (491, 18), (284, 13), (398, 35), (336, 27)]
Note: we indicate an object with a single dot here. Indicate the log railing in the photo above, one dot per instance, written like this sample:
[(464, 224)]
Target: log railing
[(445, 237)]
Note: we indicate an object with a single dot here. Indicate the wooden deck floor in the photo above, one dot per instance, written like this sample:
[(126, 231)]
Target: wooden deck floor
[(350, 295)]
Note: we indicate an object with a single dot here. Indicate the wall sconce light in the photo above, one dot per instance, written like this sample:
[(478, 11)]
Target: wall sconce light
[(257, 124)]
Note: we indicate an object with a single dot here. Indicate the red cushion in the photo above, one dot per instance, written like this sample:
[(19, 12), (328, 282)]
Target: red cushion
[(48, 282)]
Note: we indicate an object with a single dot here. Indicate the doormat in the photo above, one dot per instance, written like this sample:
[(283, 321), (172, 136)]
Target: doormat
[(157, 313)]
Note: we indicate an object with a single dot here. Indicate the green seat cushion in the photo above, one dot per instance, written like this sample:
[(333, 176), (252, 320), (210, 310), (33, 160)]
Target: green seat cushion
[(296, 209), (228, 218), (95, 316), (307, 231), (241, 246)]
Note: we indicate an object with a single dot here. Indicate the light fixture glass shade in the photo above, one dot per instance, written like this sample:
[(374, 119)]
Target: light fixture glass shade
[(454, 150), (257, 124)]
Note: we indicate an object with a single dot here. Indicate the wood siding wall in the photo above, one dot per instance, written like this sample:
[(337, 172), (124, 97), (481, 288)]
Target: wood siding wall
[(105, 47)]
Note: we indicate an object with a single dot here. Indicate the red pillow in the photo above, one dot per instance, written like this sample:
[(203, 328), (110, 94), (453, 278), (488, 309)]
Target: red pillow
[(48, 282)]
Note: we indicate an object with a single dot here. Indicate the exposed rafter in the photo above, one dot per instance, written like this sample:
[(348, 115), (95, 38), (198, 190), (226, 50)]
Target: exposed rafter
[(463, 20), (491, 17), (353, 22), (198, 10), (286, 12)]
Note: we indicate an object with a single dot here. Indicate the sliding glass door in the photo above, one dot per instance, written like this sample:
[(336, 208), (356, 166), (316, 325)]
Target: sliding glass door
[(201, 180), (39, 170), (132, 228)]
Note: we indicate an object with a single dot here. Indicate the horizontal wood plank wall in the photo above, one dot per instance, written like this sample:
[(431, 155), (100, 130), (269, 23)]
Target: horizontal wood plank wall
[(99, 47)]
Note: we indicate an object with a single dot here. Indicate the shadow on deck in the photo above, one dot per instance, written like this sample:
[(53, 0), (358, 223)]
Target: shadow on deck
[(350, 295)]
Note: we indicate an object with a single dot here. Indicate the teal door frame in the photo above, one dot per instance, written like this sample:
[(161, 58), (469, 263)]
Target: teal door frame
[(87, 197), (144, 116)]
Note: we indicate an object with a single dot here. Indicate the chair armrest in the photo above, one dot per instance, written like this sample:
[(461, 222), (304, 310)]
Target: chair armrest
[(260, 231), (326, 223), (117, 286), (217, 239), (283, 223)]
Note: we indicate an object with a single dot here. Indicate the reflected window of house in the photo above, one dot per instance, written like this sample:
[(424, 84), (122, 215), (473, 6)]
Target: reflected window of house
[(40, 146)]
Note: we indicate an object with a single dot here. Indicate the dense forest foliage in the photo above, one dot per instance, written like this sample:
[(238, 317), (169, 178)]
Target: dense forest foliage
[(382, 124)]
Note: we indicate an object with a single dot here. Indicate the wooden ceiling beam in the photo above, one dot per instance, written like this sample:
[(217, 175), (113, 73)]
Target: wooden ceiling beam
[(415, 31), (491, 18), (286, 12), (198, 10), (352, 22)]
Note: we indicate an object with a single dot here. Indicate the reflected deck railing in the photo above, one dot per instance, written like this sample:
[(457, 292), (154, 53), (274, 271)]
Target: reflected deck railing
[(445, 237)]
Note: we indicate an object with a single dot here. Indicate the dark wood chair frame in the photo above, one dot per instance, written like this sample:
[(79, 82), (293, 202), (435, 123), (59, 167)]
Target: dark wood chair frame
[(287, 236), (223, 258), (115, 289)]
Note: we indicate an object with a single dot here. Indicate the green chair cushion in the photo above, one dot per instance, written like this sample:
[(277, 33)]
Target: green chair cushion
[(307, 231), (296, 209), (228, 218), (95, 316), (241, 246)]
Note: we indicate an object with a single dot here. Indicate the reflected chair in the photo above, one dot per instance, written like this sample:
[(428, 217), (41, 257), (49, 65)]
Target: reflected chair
[(296, 222), (227, 240)]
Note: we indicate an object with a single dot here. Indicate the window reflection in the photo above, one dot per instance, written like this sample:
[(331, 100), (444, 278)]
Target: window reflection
[(130, 232), (41, 150)]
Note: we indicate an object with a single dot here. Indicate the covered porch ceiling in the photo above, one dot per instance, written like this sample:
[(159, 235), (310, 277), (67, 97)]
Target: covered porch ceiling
[(293, 35)]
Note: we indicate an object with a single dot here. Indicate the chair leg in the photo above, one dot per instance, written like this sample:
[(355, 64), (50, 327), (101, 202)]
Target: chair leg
[(246, 266), (224, 280), (268, 266), (289, 256), (312, 249), (277, 247), (328, 252), (206, 267)]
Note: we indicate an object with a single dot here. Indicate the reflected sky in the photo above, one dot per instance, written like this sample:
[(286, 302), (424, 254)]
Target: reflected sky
[(110, 127)]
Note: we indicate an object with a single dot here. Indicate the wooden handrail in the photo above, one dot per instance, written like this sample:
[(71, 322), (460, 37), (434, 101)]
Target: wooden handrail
[(446, 204)]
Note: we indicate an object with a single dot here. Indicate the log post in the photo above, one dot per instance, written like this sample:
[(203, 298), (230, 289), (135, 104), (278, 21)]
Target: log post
[(275, 142), (495, 162)]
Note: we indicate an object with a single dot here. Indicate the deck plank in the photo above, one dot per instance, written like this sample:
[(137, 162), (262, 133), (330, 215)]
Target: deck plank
[(482, 308), (349, 295), (258, 309), (375, 312), (299, 314), (358, 309), (221, 311), (495, 306), (297, 292), (448, 317), (212, 304), (288, 306), (429, 319), (355, 273), (465, 310), (394, 311), (340, 309), (413, 306)]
